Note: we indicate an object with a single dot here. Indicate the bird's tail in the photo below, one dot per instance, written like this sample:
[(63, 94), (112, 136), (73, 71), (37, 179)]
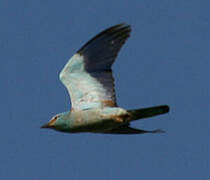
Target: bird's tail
[(148, 112)]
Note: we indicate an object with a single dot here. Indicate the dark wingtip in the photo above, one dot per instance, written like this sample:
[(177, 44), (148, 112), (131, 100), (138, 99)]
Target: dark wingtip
[(158, 131), (123, 30)]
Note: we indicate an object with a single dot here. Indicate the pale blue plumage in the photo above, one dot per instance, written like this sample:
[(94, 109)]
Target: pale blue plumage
[(86, 91), (89, 81)]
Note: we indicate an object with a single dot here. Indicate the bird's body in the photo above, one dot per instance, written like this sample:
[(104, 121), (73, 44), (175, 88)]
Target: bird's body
[(88, 78), (92, 120)]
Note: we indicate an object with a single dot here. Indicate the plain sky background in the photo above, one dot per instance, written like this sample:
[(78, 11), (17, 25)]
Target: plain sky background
[(165, 61)]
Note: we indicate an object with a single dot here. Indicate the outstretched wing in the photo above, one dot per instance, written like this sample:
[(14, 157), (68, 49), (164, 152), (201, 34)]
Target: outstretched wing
[(88, 75)]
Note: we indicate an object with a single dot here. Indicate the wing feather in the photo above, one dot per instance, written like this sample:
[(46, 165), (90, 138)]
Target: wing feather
[(88, 75)]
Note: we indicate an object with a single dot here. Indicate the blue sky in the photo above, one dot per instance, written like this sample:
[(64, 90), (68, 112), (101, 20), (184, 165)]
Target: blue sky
[(165, 61)]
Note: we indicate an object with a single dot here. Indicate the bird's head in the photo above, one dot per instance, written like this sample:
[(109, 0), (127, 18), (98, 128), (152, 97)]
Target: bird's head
[(58, 122)]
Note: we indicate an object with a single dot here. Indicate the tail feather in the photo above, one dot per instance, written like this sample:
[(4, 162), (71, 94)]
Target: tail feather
[(148, 112)]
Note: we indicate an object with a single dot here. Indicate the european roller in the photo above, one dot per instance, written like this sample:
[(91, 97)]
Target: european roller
[(90, 83)]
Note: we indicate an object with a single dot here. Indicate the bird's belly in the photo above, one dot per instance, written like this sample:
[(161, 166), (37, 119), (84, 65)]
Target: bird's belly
[(96, 120)]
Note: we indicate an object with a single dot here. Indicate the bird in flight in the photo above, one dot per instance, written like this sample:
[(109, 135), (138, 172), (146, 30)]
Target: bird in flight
[(90, 83)]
